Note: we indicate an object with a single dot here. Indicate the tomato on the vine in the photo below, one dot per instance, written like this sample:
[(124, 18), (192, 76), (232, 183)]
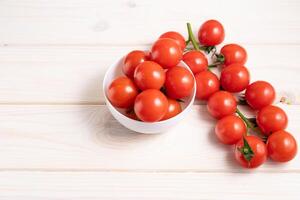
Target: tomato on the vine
[(259, 94), (230, 129), (250, 152), (174, 109), (166, 52), (221, 104), (207, 84), (234, 53), (132, 60), (151, 105), (211, 33), (282, 146), (196, 61), (179, 39), (235, 78), (122, 92), (179, 82), (271, 119), (149, 75)]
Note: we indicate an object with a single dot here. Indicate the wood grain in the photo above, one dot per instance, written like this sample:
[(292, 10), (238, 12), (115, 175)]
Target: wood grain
[(73, 75), (140, 22), (53, 56), (89, 138), (136, 186)]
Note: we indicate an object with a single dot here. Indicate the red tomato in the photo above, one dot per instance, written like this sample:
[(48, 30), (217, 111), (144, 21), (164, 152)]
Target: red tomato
[(249, 159), (179, 82), (207, 84), (151, 105), (196, 61), (174, 109), (166, 52), (132, 60), (179, 39), (221, 104), (211, 33), (122, 92), (149, 75), (230, 129), (271, 119), (260, 94), (235, 78), (282, 146), (234, 53)]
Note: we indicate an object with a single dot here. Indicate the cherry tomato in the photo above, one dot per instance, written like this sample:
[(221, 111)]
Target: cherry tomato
[(122, 92), (230, 129), (196, 61), (221, 104), (174, 109), (166, 52), (179, 82), (151, 105), (249, 159), (179, 39), (149, 75), (207, 84), (271, 119), (132, 60), (235, 78), (282, 146), (260, 94), (211, 33), (234, 53)]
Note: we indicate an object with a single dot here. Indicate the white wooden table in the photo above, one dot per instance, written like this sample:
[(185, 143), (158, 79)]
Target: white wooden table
[(57, 138)]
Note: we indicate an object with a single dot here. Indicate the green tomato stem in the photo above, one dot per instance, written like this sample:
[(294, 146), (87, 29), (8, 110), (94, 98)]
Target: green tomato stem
[(245, 119), (192, 37)]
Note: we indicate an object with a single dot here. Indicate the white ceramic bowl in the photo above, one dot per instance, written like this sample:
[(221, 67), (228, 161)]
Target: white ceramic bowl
[(114, 71)]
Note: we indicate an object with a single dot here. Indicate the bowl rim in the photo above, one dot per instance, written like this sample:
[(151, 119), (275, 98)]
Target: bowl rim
[(107, 102)]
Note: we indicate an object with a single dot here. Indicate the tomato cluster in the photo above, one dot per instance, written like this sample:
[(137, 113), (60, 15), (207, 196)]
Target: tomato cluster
[(153, 84), (268, 137)]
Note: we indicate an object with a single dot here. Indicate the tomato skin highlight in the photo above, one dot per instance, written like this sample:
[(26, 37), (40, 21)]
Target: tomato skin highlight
[(207, 84), (149, 75), (177, 37), (166, 52), (174, 108), (196, 61), (179, 82), (235, 78), (282, 146), (259, 149), (122, 92), (211, 33), (234, 53), (151, 105), (271, 119), (230, 129), (132, 60), (221, 104), (259, 94)]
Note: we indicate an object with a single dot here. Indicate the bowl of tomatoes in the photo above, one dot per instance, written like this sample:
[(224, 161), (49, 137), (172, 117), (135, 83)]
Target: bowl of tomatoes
[(149, 98)]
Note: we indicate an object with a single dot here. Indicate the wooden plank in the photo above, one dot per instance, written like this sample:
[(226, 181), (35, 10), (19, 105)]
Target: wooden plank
[(136, 186), (134, 22), (73, 75), (88, 138)]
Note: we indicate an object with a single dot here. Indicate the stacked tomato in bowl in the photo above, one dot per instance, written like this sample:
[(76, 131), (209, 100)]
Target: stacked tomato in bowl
[(153, 90)]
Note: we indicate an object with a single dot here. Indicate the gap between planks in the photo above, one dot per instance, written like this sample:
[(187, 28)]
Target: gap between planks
[(156, 171), (83, 45)]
